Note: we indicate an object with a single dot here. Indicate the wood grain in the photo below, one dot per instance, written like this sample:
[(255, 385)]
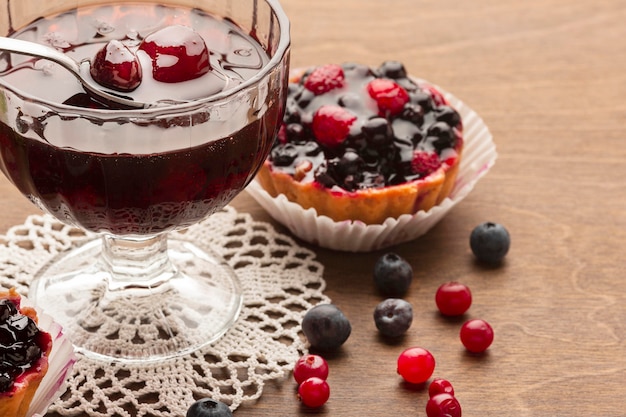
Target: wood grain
[(549, 79)]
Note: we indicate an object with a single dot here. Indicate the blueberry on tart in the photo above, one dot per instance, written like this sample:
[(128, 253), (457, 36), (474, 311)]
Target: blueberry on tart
[(24, 352)]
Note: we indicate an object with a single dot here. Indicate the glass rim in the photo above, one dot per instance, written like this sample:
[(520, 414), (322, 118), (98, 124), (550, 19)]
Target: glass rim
[(274, 62)]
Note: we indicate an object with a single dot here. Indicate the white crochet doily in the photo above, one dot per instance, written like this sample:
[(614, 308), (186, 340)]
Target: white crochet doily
[(280, 280)]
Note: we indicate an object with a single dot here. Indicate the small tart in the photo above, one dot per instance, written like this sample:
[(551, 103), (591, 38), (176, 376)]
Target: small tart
[(21, 373), (364, 145)]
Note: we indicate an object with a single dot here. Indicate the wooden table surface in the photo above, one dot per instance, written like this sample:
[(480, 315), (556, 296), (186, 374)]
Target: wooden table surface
[(549, 79)]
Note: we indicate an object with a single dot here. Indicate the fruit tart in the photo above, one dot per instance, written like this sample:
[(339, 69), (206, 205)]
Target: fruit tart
[(364, 144), (24, 350)]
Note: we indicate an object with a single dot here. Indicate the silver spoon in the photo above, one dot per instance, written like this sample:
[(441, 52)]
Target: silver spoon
[(79, 69)]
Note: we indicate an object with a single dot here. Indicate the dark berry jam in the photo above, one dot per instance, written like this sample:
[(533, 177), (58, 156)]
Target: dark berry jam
[(21, 343), (127, 194), (137, 175), (356, 128)]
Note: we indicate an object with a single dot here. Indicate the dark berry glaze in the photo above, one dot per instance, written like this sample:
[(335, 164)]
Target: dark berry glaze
[(357, 128), (22, 344)]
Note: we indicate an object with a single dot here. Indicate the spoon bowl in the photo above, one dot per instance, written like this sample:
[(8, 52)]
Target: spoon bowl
[(81, 70)]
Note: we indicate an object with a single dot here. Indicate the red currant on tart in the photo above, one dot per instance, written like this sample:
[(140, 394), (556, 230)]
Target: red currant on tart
[(376, 143), (24, 350)]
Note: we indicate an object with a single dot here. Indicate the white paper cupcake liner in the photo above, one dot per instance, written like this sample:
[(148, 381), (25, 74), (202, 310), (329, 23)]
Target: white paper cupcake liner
[(60, 363), (479, 155)]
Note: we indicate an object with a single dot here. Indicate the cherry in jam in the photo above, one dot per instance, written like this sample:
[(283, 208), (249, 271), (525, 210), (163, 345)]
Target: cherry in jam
[(178, 54), (115, 66), (149, 189)]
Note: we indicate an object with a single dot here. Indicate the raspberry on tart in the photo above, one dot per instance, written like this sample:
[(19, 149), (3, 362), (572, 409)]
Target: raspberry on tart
[(24, 351), (364, 144)]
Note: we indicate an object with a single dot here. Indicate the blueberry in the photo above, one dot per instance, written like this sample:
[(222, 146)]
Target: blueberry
[(7, 308), (350, 164), (15, 354), (208, 407), (392, 275), (6, 381), (371, 157), (7, 335), (326, 327), (490, 242), (22, 354), (324, 176), (392, 69), (413, 113), (295, 132), (377, 131), (305, 97), (358, 70), (448, 115), (393, 317), (24, 327), (284, 155), (441, 136), (423, 99), (312, 148)]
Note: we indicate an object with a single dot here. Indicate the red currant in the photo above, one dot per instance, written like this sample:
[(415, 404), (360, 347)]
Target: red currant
[(440, 386), (314, 392), (443, 405), (476, 335), (453, 299), (309, 366), (416, 365)]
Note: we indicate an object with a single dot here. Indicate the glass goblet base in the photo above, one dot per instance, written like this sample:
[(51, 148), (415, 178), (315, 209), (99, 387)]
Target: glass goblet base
[(139, 300)]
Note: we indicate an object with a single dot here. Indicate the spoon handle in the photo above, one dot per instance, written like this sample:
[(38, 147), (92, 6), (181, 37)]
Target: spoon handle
[(19, 46)]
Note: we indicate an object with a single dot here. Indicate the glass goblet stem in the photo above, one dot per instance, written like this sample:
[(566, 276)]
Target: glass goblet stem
[(136, 262)]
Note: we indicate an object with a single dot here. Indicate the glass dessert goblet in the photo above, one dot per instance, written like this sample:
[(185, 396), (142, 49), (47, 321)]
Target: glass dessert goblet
[(134, 292)]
